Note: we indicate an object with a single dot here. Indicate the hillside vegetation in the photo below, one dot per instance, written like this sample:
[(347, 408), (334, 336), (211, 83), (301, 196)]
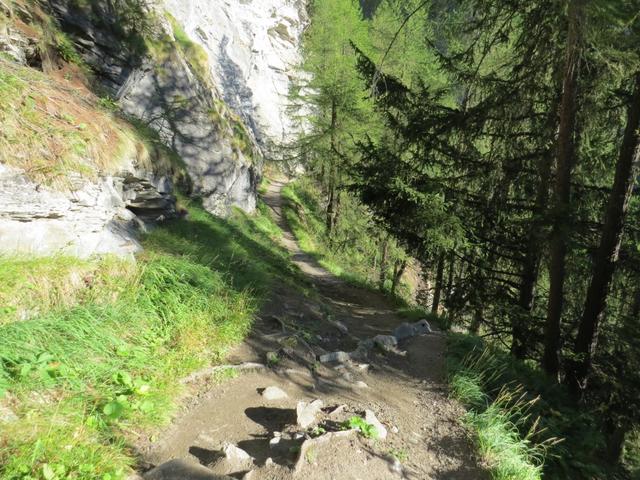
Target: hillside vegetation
[(479, 157), (356, 251), (497, 144)]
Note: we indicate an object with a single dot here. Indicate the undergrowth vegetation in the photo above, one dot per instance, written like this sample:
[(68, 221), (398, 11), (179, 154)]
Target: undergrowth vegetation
[(355, 249), (106, 342), (522, 423), (525, 426)]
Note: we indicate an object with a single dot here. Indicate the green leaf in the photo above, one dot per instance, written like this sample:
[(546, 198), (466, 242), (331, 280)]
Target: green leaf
[(142, 388), (47, 472), (114, 409), (124, 379), (25, 369), (146, 406)]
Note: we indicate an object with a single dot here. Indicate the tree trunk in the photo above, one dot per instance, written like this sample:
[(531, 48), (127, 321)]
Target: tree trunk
[(384, 247), (478, 316), (531, 265), (331, 203), (438, 287), (533, 252), (398, 271), (562, 189), (615, 437), (609, 249), (452, 266)]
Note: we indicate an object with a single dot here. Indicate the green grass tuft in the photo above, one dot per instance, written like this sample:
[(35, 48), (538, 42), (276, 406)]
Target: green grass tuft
[(507, 434)]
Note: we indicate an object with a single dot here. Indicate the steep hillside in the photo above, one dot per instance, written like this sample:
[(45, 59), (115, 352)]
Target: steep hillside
[(109, 106), (114, 142), (92, 351), (156, 74)]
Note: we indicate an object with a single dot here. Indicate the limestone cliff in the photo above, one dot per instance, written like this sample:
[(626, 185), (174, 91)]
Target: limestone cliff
[(167, 86), (209, 77), (253, 47)]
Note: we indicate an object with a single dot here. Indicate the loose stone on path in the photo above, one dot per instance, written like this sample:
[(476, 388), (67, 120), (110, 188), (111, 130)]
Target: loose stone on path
[(307, 412), (371, 419), (274, 393)]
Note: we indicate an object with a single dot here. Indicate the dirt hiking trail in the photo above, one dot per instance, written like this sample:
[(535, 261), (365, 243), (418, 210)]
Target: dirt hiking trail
[(239, 430)]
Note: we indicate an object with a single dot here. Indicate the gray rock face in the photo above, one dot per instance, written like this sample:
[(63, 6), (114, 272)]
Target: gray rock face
[(91, 218), (254, 48), (166, 94), (307, 412), (173, 101), (16, 44)]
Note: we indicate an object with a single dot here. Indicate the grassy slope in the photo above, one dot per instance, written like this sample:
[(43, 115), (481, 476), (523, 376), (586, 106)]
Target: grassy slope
[(559, 440), (102, 357), (53, 128)]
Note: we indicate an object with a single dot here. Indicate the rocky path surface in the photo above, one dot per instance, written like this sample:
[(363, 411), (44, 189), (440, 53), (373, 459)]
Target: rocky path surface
[(283, 416)]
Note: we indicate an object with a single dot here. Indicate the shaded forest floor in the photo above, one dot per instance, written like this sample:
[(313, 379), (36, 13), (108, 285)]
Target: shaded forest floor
[(406, 390)]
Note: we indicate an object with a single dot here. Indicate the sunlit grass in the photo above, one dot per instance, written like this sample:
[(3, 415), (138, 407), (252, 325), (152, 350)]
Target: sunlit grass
[(506, 431), (101, 359)]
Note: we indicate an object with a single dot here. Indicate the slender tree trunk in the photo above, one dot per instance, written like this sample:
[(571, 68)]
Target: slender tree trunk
[(437, 293), (384, 247), (609, 249), (398, 271), (338, 202), (477, 320), (533, 251), (562, 189), (331, 203), (450, 275), (531, 264)]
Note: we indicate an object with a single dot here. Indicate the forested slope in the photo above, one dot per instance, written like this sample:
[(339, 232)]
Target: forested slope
[(497, 143)]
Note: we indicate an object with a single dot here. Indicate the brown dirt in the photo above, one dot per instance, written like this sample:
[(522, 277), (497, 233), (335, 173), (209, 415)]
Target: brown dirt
[(407, 393)]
